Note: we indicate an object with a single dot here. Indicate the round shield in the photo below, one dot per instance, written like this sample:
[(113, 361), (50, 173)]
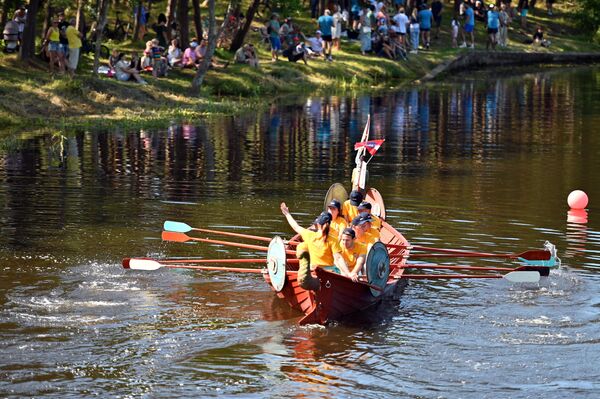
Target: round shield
[(374, 197), (336, 191), (276, 263), (378, 266)]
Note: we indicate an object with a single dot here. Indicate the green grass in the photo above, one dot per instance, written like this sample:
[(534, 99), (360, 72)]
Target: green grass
[(30, 97)]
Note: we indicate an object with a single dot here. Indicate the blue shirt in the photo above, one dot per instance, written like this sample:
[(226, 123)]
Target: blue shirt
[(470, 17), (425, 17), (493, 19), (325, 24)]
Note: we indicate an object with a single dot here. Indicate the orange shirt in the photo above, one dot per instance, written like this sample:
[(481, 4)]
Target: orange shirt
[(321, 251), (350, 211), (337, 226), (351, 255), (369, 237)]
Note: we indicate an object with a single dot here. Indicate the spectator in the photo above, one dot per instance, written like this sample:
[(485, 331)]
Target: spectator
[(366, 23), (147, 57), (316, 45), (425, 17), (159, 63), (11, 36), (273, 31), (246, 55), (504, 23), (74, 40), (436, 10), (21, 18), (524, 7), (174, 54), (549, 7), (124, 71), (469, 27), (480, 12), (538, 38), (189, 55), (493, 24), (142, 19), (455, 25), (400, 24), (325, 23), (64, 43), (297, 51), (336, 32), (52, 41), (161, 30), (113, 59), (285, 30), (414, 31)]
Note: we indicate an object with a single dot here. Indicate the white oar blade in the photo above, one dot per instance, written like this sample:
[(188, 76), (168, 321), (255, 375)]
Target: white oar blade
[(523, 277), (144, 264), (177, 227)]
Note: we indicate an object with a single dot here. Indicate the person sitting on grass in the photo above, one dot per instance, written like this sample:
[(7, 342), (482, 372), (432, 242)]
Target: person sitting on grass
[(316, 45), (189, 55), (246, 55), (124, 72), (297, 51), (201, 54), (538, 38), (174, 54)]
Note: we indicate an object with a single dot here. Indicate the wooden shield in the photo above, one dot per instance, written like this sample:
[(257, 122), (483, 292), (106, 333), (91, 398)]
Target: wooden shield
[(378, 266), (376, 200), (336, 191), (276, 263)]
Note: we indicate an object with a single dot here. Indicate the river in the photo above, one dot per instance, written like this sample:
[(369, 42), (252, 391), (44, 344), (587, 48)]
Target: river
[(475, 163)]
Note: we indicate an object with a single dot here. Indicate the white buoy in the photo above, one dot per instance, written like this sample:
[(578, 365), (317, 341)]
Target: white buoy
[(577, 199)]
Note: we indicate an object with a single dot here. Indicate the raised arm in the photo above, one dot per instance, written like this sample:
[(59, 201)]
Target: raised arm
[(294, 225)]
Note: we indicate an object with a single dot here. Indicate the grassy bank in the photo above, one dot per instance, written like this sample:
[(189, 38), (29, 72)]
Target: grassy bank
[(30, 98)]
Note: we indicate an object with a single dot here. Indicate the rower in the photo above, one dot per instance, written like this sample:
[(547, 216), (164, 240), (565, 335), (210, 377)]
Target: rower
[(366, 207), (353, 252), (338, 223), (349, 209), (365, 234), (318, 249)]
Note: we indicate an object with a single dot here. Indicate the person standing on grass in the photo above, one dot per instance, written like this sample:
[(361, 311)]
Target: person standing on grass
[(52, 41), (436, 10), (469, 27), (325, 23), (273, 27), (366, 22), (504, 22), (400, 24), (425, 17), (74, 40), (493, 23), (414, 31), (336, 32)]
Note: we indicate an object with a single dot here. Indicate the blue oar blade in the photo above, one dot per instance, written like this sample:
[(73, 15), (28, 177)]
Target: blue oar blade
[(545, 263), (176, 227)]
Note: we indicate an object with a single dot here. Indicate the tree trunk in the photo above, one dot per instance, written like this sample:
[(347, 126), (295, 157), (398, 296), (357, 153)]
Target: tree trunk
[(136, 23), (27, 50), (197, 19), (238, 40), (212, 44), (7, 6), (101, 18), (80, 24), (183, 20), (170, 16), (47, 17)]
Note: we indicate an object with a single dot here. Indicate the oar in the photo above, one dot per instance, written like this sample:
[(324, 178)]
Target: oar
[(539, 254), (513, 277), (181, 237), (241, 260), (180, 227), (149, 264)]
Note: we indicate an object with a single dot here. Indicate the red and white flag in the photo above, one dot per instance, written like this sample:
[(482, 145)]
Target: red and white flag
[(371, 146)]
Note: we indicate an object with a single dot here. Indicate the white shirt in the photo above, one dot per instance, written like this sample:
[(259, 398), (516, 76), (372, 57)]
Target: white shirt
[(316, 44), (401, 21)]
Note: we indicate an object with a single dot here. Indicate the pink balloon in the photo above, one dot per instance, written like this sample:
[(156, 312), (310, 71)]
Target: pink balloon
[(577, 199)]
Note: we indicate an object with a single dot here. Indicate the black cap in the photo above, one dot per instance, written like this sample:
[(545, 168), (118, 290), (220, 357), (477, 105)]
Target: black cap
[(355, 197), (323, 218), (364, 205), (335, 204), (349, 232), (362, 218)]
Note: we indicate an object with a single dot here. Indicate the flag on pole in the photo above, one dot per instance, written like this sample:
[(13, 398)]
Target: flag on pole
[(371, 146)]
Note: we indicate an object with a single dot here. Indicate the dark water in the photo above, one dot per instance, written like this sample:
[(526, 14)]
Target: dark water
[(486, 166)]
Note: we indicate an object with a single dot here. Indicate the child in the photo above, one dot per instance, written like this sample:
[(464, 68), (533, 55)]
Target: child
[(159, 63), (455, 28)]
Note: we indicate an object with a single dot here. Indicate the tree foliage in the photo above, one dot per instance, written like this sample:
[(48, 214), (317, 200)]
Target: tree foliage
[(588, 16)]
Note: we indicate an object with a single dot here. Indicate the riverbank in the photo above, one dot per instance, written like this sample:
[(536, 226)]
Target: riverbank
[(32, 99)]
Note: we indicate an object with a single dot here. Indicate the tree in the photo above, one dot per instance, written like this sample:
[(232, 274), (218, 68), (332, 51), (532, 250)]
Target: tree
[(183, 20), (212, 44), (240, 35), (588, 16), (197, 18), (27, 50), (170, 16), (101, 18)]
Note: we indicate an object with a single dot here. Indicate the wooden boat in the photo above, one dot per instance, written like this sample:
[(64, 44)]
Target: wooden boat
[(340, 297)]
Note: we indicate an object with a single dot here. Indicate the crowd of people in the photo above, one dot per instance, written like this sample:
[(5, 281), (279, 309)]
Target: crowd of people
[(391, 29)]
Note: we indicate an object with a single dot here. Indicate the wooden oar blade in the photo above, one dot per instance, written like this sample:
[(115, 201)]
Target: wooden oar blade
[(144, 264), (178, 227), (523, 277), (174, 236)]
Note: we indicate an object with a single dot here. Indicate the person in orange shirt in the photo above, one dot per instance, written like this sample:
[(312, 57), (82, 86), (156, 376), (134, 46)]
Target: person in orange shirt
[(353, 252), (362, 228), (349, 209), (318, 249), (338, 223), (366, 207)]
